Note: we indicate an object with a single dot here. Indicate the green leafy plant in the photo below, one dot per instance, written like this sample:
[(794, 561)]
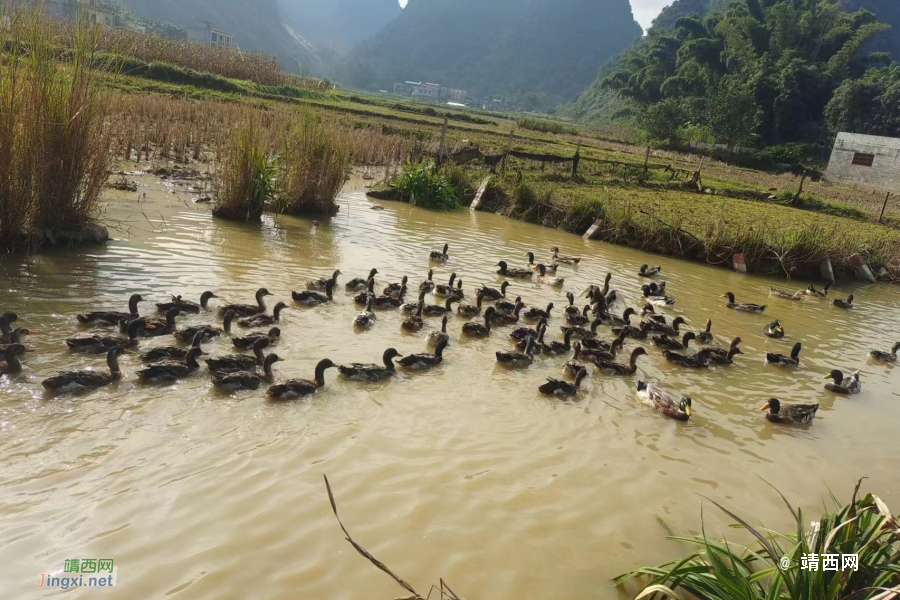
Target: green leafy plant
[(427, 188), (723, 570)]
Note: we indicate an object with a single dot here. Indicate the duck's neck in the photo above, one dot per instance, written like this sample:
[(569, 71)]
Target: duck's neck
[(389, 363), (133, 306), (112, 361), (267, 370), (320, 376), (13, 364), (258, 353), (261, 301), (226, 324), (191, 360), (276, 314)]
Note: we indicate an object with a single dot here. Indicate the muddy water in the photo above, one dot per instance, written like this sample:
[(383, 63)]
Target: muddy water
[(464, 473)]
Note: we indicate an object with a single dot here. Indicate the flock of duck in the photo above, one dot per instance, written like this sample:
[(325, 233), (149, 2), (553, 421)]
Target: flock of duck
[(581, 340)]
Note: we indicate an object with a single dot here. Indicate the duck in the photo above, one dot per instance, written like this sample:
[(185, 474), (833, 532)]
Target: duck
[(563, 389), (843, 385), (552, 281), (507, 307), (518, 359), (434, 310), (363, 298), (492, 294), (479, 329), (366, 319), (504, 319), (172, 368), (720, 355), (571, 309), (558, 348), (785, 361), (426, 360), (428, 284), (812, 291), (595, 344), (846, 304), (672, 329), (445, 290), (390, 302), (434, 337), (664, 341), (319, 284), (724, 359), (264, 320), (640, 332), (577, 319), (247, 310), (361, 372), (623, 321), (537, 313), (313, 298), (209, 332), (754, 308), (539, 345), (655, 298), (245, 380), (11, 355), (506, 271), (239, 362), (582, 333), (6, 319), (186, 306), (785, 295), (649, 394), (614, 368), (706, 336), (415, 322), (700, 360), (602, 354), (646, 271), (573, 366), (172, 352), (522, 333), (101, 344), (886, 357), (299, 388), (393, 289), (15, 338), (74, 381), (789, 414), (111, 318), (774, 330), (567, 260), (155, 327), (359, 284), (441, 256), (272, 336), (467, 310), (534, 266)]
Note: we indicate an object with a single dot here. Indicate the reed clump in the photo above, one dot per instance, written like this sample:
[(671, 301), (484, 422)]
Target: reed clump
[(54, 139), (248, 177)]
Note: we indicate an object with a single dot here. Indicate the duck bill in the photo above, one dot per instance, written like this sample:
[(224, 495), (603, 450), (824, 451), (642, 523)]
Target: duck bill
[(687, 410), (766, 406), (828, 377)]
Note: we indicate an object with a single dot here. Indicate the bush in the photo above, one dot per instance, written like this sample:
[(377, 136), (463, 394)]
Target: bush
[(722, 570), (426, 188), (545, 126), (248, 177)]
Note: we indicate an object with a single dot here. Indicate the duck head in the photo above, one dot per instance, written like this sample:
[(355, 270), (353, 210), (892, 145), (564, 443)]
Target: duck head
[(837, 376), (685, 405), (323, 366), (773, 406), (205, 297), (389, 355)]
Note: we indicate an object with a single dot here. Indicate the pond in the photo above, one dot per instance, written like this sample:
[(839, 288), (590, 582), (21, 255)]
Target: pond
[(464, 472)]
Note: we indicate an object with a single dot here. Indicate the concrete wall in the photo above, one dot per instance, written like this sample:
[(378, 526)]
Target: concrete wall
[(885, 170)]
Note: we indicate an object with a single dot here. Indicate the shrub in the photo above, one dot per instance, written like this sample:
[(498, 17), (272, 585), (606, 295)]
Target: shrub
[(426, 188), (248, 177), (545, 126), (722, 570), (315, 161)]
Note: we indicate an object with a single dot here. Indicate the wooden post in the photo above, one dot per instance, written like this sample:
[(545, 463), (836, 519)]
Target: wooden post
[(508, 149), (575, 161), (646, 160), (443, 142), (884, 206)]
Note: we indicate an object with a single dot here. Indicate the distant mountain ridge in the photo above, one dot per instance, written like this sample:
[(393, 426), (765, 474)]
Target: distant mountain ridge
[(337, 26), (548, 50)]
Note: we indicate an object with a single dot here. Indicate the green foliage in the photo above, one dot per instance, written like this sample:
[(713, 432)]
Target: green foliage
[(427, 188), (546, 126), (869, 105), (247, 180), (663, 121), (723, 570), (762, 70)]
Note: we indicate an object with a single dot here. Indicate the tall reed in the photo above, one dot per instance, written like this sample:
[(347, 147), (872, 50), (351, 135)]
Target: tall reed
[(248, 177)]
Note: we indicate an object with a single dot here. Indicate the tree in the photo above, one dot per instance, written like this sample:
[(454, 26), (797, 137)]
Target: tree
[(870, 105), (662, 121), (733, 114)]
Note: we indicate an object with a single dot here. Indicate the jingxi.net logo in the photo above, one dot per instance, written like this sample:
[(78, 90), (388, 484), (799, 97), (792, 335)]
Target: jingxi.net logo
[(81, 572)]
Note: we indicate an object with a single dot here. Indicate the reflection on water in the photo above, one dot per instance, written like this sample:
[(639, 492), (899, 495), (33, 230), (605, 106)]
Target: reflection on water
[(464, 472)]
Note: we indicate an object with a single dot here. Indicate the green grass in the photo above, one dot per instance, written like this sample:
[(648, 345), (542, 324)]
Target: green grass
[(727, 570), (425, 187)]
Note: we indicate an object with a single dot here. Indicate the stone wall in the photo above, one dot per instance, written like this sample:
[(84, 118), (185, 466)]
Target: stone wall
[(883, 152)]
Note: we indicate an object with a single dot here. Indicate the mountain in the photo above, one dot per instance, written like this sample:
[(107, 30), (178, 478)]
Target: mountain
[(338, 25), (257, 26), (545, 51)]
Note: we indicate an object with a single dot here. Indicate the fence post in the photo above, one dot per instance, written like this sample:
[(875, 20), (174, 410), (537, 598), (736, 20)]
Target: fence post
[(575, 161), (443, 142), (508, 149), (884, 206), (646, 160)]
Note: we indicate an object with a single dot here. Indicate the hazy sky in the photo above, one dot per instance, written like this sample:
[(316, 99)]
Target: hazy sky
[(644, 10)]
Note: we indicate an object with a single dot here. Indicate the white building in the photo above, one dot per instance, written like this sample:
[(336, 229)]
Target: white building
[(203, 32), (867, 159)]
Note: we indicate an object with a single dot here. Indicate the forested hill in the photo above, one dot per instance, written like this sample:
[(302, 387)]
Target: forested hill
[(338, 25), (541, 52), (257, 26)]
